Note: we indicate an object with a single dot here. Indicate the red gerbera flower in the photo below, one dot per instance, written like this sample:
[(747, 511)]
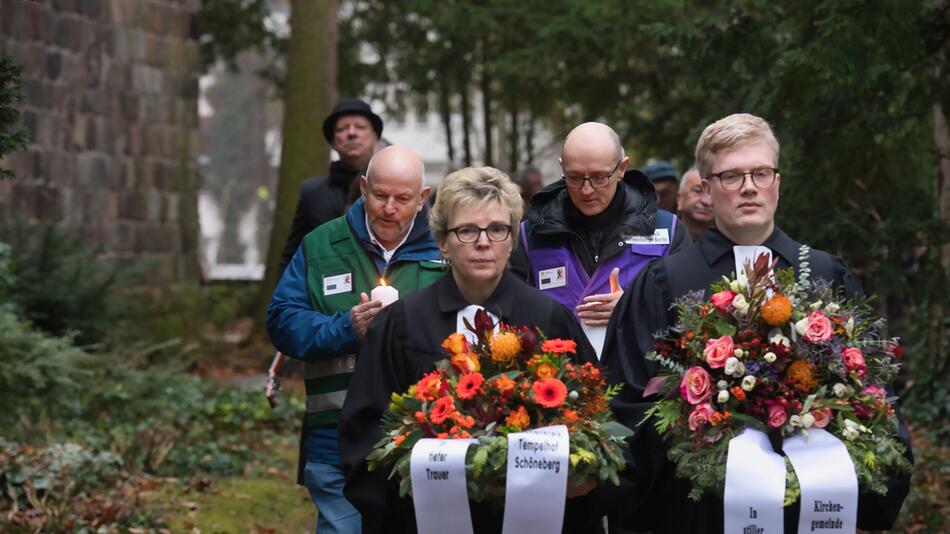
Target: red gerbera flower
[(442, 410), (549, 392), (559, 346), (469, 385)]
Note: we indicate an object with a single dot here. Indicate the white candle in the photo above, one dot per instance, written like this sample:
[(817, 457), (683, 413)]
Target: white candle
[(385, 294)]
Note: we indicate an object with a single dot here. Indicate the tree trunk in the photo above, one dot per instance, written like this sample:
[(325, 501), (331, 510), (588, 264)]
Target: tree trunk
[(445, 110), (513, 137), (529, 140), (466, 124), (485, 86), (308, 98)]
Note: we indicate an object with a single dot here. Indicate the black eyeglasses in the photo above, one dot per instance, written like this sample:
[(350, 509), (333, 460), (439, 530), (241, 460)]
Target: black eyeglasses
[(471, 233), (599, 181), (733, 180)]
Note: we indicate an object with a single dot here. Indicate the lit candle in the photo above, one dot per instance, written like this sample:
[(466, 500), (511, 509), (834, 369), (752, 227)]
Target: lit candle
[(385, 294)]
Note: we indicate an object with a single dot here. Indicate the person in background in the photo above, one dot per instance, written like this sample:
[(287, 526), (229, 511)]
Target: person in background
[(695, 205), (664, 178), (321, 309), (530, 181), (354, 131), (587, 235)]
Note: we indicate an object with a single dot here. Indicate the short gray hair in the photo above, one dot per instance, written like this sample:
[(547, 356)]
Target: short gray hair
[(474, 186)]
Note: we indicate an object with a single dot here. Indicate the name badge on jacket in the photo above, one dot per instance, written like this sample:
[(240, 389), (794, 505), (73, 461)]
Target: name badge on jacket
[(661, 236), (551, 278), (341, 283)]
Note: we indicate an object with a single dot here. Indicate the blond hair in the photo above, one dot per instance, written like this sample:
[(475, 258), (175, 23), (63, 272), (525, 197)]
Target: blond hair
[(729, 133), (474, 186)]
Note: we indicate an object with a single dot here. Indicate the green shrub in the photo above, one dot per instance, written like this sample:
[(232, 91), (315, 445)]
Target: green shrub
[(61, 285)]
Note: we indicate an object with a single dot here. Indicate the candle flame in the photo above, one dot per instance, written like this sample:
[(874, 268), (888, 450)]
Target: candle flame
[(382, 281)]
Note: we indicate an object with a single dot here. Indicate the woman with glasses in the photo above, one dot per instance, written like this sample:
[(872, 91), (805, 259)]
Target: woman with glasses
[(474, 220)]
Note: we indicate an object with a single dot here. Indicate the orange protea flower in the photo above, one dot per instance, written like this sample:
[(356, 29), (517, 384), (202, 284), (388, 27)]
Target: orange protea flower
[(559, 346), (466, 362), (429, 386), (442, 410), (420, 417), (545, 370), (777, 310), (570, 416), (802, 375), (505, 346), (469, 385), (737, 393), (455, 343), (504, 384), (518, 418), (397, 441), (549, 392)]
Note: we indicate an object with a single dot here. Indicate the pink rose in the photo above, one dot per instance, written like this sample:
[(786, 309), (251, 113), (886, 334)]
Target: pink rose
[(854, 360), (700, 416), (819, 327), (875, 391), (696, 385), (718, 350), (722, 300), (822, 417), (777, 416)]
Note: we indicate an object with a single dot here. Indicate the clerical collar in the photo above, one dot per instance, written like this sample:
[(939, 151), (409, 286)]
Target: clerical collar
[(602, 220), (387, 253), (714, 245), (500, 302)]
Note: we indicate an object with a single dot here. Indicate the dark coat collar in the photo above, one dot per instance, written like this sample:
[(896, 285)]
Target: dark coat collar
[(714, 245), (501, 302), (547, 217)]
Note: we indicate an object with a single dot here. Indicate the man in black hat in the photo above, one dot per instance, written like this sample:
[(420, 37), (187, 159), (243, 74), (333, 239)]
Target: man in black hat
[(353, 130)]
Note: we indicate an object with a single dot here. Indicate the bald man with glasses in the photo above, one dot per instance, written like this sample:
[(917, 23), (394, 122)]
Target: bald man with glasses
[(587, 235)]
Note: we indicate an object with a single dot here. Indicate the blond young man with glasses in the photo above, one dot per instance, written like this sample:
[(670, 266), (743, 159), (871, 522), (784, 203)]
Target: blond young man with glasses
[(737, 158)]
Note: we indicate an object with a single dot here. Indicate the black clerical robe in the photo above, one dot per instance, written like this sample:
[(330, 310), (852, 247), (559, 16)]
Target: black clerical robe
[(403, 343), (657, 499)]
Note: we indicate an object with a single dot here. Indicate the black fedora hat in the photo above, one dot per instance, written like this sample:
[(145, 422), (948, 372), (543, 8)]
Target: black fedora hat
[(351, 106)]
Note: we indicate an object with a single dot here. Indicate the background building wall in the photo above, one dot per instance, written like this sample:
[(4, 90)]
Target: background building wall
[(111, 90)]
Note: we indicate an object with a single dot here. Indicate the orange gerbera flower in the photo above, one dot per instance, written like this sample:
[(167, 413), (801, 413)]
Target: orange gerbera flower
[(469, 385), (545, 370), (505, 346), (802, 375), (518, 418), (455, 343), (559, 346), (504, 384), (549, 392), (466, 362), (442, 410), (429, 386), (777, 310)]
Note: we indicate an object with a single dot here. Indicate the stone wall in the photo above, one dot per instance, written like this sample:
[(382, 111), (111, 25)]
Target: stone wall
[(111, 90)]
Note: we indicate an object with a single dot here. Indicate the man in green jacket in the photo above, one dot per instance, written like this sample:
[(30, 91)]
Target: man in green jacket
[(321, 307)]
